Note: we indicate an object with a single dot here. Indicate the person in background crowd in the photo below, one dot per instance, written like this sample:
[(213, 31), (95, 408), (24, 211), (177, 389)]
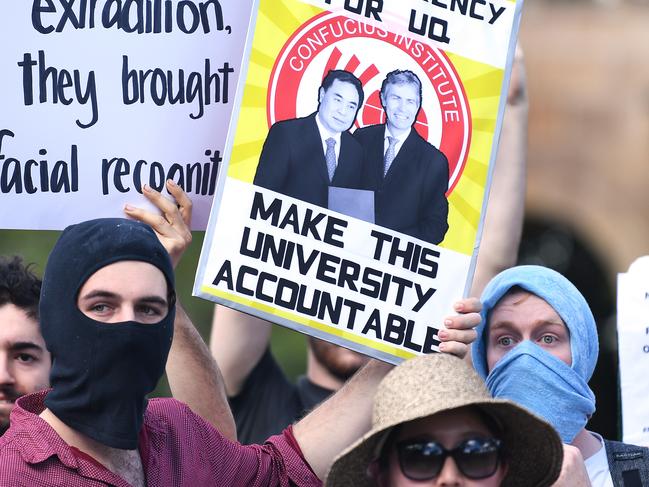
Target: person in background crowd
[(24, 359)]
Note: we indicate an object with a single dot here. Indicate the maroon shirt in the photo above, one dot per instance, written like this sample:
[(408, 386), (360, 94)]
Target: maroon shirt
[(177, 447)]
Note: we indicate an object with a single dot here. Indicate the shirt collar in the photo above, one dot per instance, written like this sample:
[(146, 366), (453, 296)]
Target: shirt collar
[(400, 139), (324, 133), (36, 439)]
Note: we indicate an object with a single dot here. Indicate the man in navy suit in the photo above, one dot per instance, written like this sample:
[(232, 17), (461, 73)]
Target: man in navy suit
[(408, 175), (302, 157)]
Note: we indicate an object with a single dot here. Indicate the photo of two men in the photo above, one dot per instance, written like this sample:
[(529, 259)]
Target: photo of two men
[(384, 173)]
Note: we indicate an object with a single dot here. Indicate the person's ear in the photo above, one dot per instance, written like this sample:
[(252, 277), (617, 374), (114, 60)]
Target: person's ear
[(321, 92)]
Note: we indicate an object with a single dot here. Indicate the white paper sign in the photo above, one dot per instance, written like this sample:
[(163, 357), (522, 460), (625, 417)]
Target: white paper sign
[(100, 97), (329, 275), (633, 336)]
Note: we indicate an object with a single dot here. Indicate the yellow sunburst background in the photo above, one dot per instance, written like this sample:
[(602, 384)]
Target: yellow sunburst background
[(482, 83)]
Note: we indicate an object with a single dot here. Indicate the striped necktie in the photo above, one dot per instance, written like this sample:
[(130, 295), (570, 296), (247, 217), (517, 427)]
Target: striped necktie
[(390, 154), (330, 157)]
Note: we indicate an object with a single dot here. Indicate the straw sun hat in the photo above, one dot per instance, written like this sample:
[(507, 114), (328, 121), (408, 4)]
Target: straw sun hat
[(430, 384)]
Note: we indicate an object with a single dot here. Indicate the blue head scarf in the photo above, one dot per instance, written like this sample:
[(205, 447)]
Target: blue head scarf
[(528, 374)]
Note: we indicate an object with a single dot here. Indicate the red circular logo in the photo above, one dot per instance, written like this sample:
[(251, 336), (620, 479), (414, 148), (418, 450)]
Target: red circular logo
[(333, 41)]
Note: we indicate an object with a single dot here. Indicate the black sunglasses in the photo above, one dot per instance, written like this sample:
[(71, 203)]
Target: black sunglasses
[(476, 458)]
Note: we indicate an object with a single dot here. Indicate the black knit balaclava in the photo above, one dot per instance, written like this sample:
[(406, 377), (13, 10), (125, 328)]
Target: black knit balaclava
[(102, 372)]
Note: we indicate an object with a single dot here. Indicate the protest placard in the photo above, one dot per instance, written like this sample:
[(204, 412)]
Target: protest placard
[(100, 97), (363, 240), (633, 347)]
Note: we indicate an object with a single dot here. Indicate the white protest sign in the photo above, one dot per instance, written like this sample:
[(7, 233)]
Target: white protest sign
[(324, 274), (324, 81), (100, 97), (633, 346)]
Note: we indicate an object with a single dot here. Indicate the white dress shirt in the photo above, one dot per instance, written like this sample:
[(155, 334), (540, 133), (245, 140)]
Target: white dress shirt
[(400, 140), (324, 135)]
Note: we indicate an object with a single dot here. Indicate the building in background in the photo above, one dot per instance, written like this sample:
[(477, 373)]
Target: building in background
[(587, 207)]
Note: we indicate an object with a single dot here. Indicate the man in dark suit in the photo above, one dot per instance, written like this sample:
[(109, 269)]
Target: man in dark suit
[(408, 175), (302, 157)]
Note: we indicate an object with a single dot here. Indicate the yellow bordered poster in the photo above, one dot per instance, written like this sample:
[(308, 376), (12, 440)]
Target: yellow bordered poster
[(358, 160)]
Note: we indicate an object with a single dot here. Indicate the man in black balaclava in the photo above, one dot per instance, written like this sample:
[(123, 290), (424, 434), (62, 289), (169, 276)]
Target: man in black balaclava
[(113, 365), (107, 311), (192, 372)]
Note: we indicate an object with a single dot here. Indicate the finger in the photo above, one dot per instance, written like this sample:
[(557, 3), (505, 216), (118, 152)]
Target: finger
[(454, 348), (184, 203), (167, 207), (468, 305), (466, 337), (158, 222), (463, 322), (183, 208)]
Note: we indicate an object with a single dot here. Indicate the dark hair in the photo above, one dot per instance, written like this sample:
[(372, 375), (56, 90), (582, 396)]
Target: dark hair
[(344, 77), (401, 77), (19, 285)]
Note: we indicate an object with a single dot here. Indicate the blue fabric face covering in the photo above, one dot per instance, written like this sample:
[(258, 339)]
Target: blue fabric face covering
[(528, 374), (531, 377)]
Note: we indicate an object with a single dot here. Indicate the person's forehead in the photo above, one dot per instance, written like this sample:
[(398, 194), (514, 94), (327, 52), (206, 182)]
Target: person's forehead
[(524, 305), (17, 326)]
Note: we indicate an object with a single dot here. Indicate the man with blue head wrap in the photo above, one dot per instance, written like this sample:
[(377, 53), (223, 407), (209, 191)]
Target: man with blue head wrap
[(537, 345)]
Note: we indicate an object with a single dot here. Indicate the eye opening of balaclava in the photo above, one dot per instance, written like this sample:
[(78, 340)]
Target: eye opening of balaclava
[(170, 295), (562, 395), (102, 372)]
